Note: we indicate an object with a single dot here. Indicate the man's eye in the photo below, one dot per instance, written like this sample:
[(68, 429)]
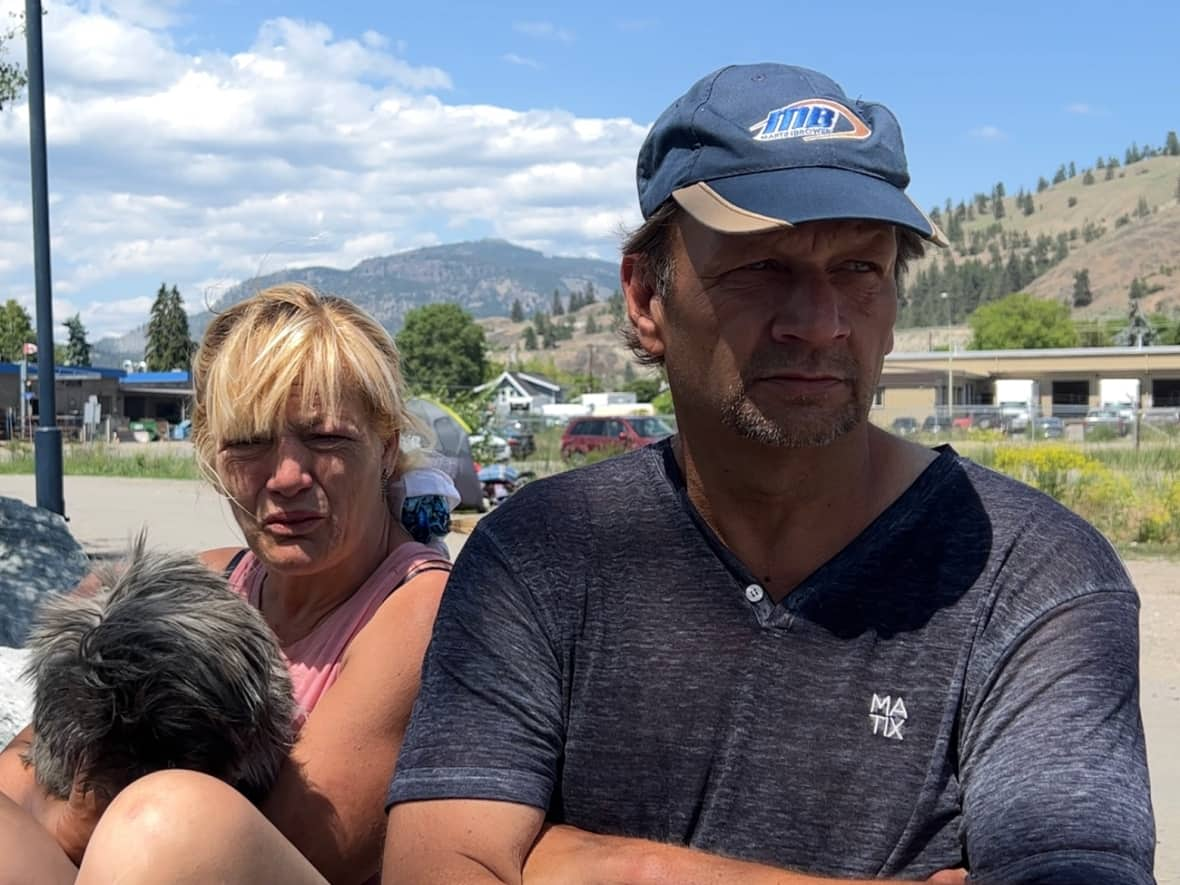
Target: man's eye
[(765, 264), (327, 439), (859, 266)]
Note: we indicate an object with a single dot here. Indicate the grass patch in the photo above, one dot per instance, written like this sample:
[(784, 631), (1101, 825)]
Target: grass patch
[(102, 460)]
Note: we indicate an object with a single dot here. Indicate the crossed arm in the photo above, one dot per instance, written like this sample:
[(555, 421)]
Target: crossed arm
[(477, 842)]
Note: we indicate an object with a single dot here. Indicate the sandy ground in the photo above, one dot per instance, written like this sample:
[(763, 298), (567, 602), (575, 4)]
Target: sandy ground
[(104, 513)]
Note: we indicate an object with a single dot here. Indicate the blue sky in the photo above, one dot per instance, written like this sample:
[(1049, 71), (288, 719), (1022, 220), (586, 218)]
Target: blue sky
[(201, 143)]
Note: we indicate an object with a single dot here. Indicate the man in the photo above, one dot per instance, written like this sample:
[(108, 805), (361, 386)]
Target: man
[(784, 645)]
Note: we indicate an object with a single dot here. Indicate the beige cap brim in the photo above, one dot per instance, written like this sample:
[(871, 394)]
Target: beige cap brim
[(714, 211)]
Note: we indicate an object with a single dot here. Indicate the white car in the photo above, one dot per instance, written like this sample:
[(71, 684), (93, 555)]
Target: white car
[(495, 446)]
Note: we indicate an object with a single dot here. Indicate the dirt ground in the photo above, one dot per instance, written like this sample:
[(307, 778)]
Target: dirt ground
[(105, 512)]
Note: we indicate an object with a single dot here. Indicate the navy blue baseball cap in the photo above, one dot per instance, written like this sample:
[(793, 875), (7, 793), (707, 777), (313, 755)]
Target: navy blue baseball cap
[(754, 148)]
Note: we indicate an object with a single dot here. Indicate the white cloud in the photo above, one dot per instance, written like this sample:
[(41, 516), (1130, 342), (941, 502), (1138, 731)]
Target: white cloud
[(1083, 109), (306, 148), (989, 132), (543, 31), (513, 59)]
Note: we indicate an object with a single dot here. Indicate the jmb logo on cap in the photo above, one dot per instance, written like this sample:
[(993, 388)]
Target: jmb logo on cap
[(810, 119)]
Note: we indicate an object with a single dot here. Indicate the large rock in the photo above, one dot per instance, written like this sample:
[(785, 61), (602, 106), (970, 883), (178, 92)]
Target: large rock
[(38, 557), (16, 695)]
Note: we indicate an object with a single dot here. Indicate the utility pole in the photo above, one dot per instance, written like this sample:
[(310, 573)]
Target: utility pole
[(950, 356), (47, 442)]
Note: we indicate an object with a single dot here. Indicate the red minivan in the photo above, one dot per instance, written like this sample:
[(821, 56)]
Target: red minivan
[(585, 434)]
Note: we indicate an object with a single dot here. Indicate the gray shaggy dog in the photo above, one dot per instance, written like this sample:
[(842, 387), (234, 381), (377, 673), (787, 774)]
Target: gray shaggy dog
[(162, 667)]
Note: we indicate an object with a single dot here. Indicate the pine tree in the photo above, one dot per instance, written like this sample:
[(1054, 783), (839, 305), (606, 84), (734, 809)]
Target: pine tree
[(517, 314), (998, 206), (1042, 184), (617, 309), (1138, 289), (557, 310), (77, 348), (1109, 172), (591, 325), (530, 338), (998, 191), (1172, 144), (1059, 175), (1142, 209), (1082, 296), (168, 344), (1073, 170), (1101, 164), (1088, 178)]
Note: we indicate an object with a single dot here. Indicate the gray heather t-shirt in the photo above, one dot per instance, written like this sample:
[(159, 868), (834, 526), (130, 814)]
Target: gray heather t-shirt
[(958, 686)]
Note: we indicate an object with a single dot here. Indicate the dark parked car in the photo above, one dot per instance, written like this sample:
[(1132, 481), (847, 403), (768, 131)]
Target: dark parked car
[(520, 440), (905, 426), (584, 435), (936, 424), (1048, 427)]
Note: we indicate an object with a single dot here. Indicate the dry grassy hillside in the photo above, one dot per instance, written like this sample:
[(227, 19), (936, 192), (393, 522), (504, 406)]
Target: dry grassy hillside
[(1147, 247)]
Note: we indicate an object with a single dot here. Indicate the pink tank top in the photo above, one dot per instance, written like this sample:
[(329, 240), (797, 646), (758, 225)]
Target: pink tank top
[(314, 660)]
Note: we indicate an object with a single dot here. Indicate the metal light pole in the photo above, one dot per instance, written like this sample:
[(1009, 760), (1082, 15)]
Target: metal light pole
[(950, 357), (47, 442)]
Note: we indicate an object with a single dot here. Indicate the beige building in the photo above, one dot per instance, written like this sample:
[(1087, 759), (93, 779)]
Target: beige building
[(1062, 382)]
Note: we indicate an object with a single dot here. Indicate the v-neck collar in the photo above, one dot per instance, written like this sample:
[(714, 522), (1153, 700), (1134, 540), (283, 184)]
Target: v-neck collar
[(904, 509)]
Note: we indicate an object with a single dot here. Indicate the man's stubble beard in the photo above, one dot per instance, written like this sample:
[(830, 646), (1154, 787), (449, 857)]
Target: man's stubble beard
[(808, 422)]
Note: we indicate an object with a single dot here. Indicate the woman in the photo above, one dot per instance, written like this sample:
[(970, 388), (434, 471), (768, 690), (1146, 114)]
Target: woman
[(298, 416)]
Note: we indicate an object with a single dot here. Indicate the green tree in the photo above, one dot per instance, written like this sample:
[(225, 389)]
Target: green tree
[(530, 338), (1059, 175), (1088, 178), (1138, 289), (557, 310), (517, 312), (1139, 332), (1172, 144), (168, 344), (591, 325), (617, 308), (77, 347), (1073, 170), (1082, 296), (1021, 321), (16, 330), (1142, 210), (645, 389), (442, 349), (1042, 184), (997, 206), (12, 76)]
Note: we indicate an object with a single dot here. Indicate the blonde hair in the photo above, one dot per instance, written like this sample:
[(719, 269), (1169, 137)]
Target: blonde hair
[(291, 339)]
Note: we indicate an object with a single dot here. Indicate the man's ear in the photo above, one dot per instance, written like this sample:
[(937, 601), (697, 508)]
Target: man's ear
[(645, 309)]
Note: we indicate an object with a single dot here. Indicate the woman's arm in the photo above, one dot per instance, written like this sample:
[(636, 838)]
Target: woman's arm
[(330, 796)]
